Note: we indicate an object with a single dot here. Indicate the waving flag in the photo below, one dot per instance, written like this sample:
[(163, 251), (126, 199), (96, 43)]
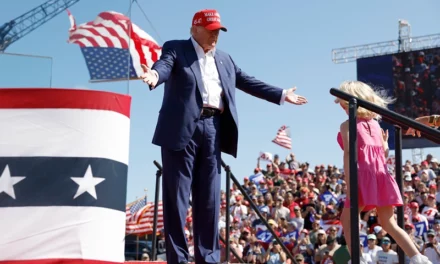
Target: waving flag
[(63, 175), (134, 207), (283, 138), (141, 223), (113, 46)]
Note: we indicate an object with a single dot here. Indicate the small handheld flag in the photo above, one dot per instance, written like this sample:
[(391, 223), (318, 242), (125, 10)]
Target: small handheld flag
[(283, 138)]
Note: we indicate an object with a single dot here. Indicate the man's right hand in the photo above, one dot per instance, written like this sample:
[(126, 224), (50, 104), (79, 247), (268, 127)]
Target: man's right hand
[(149, 77)]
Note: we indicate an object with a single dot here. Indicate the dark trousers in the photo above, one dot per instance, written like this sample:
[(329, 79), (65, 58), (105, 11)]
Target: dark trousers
[(197, 167)]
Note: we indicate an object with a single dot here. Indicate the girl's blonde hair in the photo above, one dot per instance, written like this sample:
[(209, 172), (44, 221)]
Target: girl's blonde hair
[(365, 92)]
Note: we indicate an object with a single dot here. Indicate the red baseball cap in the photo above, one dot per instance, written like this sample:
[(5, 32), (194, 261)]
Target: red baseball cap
[(209, 19)]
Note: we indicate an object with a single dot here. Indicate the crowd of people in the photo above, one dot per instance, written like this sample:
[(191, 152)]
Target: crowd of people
[(417, 83), (303, 205)]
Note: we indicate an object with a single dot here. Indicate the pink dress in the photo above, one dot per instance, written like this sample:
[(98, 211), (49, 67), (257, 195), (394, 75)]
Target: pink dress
[(377, 187)]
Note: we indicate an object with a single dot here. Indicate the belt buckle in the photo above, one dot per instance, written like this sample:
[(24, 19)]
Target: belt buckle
[(207, 112)]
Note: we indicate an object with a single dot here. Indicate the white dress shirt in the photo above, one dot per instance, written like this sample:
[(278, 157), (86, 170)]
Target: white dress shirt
[(211, 89)]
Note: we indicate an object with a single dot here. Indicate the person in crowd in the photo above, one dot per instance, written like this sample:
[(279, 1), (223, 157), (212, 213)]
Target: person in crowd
[(341, 255), (372, 248), (377, 187), (274, 254), (389, 256), (255, 253), (327, 251), (431, 249), (304, 247)]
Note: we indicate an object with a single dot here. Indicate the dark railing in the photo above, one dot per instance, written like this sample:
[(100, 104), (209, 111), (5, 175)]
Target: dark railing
[(400, 122), (156, 209), (254, 207)]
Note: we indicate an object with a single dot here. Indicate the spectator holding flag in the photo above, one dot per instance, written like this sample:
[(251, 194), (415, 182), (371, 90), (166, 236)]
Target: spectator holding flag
[(377, 187)]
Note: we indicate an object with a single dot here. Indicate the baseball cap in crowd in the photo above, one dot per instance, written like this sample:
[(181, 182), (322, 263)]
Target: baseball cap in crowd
[(409, 226), (386, 240), (413, 205), (377, 229), (272, 222), (408, 189), (209, 19), (299, 257), (431, 232), (371, 236)]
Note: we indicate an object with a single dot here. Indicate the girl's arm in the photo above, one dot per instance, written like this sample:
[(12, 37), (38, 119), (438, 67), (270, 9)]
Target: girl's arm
[(346, 144)]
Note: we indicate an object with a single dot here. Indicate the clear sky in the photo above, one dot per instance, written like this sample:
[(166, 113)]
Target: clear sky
[(286, 43)]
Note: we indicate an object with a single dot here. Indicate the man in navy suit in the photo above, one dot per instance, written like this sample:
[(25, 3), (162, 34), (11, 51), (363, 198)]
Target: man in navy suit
[(198, 121)]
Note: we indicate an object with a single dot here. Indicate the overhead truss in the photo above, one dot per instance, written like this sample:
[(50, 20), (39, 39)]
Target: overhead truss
[(349, 54)]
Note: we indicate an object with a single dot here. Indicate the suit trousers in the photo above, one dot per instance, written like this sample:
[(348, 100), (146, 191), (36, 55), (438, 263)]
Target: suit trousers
[(194, 170)]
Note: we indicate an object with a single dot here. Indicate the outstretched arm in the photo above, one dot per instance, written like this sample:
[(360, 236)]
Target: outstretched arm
[(162, 68), (262, 90), (432, 121)]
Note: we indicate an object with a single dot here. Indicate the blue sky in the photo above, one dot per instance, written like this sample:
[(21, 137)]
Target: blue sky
[(286, 43)]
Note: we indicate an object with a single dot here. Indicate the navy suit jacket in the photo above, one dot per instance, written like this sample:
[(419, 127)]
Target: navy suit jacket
[(179, 69)]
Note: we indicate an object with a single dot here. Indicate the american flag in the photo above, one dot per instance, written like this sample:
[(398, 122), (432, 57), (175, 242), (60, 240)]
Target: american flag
[(132, 208), (63, 161), (105, 43), (283, 138), (141, 223)]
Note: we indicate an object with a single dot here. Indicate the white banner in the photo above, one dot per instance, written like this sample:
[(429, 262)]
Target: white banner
[(266, 156)]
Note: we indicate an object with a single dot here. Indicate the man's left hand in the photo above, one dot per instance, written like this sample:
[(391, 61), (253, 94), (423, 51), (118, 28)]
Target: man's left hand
[(293, 98)]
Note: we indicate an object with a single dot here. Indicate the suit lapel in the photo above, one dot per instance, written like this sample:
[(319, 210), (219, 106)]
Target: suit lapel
[(193, 61)]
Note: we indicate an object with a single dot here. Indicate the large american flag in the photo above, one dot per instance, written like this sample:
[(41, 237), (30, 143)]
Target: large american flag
[(112, 45), (63, 176), (141, 223), (283, 138)]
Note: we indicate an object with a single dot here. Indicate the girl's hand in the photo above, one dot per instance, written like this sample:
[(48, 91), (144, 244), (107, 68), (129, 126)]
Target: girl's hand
[(385, 135)]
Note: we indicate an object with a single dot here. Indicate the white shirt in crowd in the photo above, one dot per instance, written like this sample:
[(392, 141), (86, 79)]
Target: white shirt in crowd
[(372, 252), (429, 212), (389, 257), (367, 258), (222, 221), (432, 255), (239, 211)]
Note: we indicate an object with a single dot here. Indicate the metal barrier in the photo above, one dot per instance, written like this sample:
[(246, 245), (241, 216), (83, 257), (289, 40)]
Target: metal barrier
[(156, 209), (400, 122), (229, 175)]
